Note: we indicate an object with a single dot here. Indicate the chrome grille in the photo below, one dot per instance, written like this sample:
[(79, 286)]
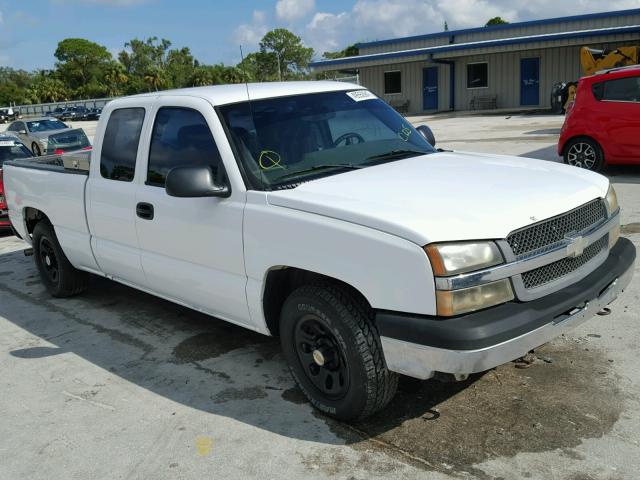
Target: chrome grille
[(545, 235), (555, 270)]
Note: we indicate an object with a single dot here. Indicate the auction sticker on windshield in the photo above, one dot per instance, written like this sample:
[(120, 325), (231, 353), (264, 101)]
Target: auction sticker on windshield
[(360, 95)]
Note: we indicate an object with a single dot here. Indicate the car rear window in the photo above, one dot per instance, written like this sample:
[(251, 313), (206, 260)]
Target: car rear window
[(619, 90), (11, 150)]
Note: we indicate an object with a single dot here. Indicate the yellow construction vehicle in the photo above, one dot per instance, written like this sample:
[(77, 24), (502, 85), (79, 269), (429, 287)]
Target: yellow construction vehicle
[(592, 61)]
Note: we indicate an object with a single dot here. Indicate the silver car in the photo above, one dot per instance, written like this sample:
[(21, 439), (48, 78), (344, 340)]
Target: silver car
[(48, 136)]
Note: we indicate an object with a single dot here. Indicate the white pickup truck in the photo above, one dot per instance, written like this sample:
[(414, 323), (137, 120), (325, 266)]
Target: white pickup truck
[(315, 212)]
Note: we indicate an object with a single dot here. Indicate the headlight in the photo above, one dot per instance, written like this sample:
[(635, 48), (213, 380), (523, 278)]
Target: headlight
[(462, 257), (612, 200), (457, 302), (454, 258)]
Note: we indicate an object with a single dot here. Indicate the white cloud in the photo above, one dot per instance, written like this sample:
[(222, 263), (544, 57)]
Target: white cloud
[(250, 34), (369, 20), (292, 10)]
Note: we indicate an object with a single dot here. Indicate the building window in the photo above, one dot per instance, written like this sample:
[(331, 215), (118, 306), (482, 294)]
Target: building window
[(392, 82), (478, 75)]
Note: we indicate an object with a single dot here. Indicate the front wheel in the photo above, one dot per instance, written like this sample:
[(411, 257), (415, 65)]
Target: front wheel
[(584, 153), (58, 275), (334, 353), (35, 148)]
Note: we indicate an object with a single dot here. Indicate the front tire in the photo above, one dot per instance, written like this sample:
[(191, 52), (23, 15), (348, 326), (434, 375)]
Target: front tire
[(334, 353), (583, 152), (56, 272), (35, 148)]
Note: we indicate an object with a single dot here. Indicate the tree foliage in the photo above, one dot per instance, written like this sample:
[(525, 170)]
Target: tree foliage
[(85, 69), (496, 21)]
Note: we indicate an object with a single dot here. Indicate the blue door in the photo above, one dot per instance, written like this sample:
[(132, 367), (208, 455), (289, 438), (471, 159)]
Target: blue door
[(529, 81), (430, 88)]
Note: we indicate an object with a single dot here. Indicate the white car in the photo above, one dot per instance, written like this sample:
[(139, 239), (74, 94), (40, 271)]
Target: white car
[(315, 212)]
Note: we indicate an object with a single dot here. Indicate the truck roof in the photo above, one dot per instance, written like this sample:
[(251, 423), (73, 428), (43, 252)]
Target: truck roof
[(224, 94)]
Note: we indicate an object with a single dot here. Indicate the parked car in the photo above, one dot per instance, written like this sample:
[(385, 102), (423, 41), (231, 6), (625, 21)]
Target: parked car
[(602, 126), (318, 213), (55, 113), (8, 115), (47, 136), (74, 113), (10, 149), (94, 114)]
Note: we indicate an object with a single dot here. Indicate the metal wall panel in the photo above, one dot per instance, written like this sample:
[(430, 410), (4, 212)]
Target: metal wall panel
[(373, 79), (556, 64), (489, 34)]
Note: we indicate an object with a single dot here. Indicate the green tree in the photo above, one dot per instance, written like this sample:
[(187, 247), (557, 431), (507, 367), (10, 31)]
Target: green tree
[(81, 63), (285, 50), (154, 80), (180, 67), (115, 79), (350, 51), (47, 88), (496, 21)]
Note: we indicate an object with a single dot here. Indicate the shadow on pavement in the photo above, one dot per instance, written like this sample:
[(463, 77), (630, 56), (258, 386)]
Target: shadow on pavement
[(221, 369)]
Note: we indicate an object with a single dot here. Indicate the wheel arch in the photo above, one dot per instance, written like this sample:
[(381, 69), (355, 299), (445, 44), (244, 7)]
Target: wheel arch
[(31, 217), (281, 280), (585, 137)]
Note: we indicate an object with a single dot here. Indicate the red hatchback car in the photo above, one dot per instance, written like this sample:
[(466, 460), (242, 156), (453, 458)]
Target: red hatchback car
[(602, 126)]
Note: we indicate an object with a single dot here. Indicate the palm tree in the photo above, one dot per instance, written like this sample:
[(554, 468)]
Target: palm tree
[(115, 78), (154, 80)]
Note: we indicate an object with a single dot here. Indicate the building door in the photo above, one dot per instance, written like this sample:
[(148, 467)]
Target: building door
[(430, 88), (529, 81)]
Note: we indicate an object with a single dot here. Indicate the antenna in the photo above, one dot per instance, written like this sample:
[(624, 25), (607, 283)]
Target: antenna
[(253, 120)]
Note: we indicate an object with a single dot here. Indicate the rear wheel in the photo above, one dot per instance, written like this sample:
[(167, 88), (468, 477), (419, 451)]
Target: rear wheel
[(35, 148), (584, 153), (58, 275), (333, 350)]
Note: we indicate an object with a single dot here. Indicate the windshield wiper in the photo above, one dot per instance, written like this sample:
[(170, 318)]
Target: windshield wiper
[(393, 154), (340, 166)]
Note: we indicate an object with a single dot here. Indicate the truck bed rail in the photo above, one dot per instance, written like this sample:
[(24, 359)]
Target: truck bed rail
[(75, 163)]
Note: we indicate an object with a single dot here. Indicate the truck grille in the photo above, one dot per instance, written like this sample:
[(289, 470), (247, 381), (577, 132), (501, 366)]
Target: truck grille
[(545, 235), (555, 270)]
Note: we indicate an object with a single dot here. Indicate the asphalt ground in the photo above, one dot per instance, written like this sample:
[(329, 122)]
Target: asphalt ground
[(115, 383)]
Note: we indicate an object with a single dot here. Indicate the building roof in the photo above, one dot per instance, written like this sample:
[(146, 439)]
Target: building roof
[(442, 49), (225, 94), (506, 26)]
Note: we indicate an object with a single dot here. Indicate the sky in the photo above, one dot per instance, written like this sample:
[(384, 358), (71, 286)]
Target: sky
[(214, 29)]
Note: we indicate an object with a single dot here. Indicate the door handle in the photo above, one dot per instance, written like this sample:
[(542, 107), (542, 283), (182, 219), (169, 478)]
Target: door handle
[(144, 211)]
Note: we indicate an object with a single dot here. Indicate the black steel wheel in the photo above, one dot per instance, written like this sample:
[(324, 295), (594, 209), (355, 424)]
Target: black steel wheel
[(35, 148), (48, 260), (56, 272), (333, 350), (584, 153), (321, 356)]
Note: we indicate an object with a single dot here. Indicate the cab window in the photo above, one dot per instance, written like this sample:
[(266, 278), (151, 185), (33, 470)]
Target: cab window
[(120, 144), (181, 137)]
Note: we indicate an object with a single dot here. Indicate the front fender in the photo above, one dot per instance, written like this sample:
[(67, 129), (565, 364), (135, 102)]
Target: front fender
[(391, 273)]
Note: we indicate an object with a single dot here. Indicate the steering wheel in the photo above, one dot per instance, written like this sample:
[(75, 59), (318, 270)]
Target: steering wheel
[(347, 139)]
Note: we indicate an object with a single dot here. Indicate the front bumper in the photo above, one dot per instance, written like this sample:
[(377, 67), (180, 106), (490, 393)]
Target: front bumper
[(419, 346)]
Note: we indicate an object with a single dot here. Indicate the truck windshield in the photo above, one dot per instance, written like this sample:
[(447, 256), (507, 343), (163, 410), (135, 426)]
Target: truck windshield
[(287, 140)]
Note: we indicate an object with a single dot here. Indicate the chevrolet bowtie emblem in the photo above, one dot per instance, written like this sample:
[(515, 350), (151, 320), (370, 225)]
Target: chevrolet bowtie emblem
[(576, 245)]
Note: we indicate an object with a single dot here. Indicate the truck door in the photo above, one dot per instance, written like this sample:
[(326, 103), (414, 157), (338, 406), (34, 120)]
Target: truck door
[(191, 248), (111, 196)]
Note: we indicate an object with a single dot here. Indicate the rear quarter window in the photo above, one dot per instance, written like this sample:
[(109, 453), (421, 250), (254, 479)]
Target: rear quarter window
[(619, 90), (120, 144)]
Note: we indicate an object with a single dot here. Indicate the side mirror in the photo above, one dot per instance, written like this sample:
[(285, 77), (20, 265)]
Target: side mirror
[(22, 132), (427, 133), (193, 182)]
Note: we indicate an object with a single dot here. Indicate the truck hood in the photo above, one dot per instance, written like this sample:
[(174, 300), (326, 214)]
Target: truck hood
[(448, 196)]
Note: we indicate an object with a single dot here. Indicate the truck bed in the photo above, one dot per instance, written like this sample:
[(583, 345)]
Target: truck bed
[(75, 163)]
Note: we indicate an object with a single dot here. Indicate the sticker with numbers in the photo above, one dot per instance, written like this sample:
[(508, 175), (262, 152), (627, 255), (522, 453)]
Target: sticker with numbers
[(10, 143), (360, 95)]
